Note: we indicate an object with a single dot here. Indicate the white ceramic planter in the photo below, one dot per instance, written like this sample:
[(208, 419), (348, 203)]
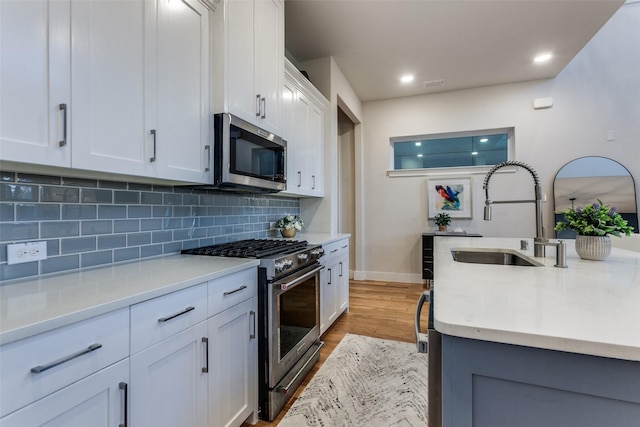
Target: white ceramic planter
[(595, 248)]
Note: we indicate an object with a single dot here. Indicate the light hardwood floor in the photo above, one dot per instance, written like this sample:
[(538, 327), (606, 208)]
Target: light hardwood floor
[(376, 309)]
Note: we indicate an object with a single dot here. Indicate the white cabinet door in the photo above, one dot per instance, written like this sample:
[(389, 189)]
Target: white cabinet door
[(328, 294), (343, 280), (242, 95), (315, 140), (232, 357), (182, 126), (34, 81), (169, 387), (334, 283), (303, 112), (108, 65), (97, 400), (269, 50), (254, 56), (300, 148)]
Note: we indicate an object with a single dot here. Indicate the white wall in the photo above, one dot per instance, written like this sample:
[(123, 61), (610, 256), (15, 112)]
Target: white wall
[(597, 92)]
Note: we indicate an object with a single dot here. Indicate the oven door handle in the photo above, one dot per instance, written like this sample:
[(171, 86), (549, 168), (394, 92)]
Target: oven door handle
[(292, 283)]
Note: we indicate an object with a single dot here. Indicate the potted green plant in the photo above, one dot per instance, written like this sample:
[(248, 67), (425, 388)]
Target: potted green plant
[(442, 220), (289, 225), (594, 224)]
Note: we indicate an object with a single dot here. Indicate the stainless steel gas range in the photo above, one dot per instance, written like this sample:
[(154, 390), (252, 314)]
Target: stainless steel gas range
[(288, 313)]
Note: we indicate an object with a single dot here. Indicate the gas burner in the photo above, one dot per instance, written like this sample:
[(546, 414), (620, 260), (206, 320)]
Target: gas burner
[(251, 248), (278, 257)]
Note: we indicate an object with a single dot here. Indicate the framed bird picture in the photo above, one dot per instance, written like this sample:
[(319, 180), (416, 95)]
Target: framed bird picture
[(449, 195)]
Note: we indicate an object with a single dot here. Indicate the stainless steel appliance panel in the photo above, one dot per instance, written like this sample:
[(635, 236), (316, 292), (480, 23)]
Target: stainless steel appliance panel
[(294, 320)]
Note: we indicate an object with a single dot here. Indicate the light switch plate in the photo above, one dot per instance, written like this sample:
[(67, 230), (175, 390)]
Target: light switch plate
[(18, 253)]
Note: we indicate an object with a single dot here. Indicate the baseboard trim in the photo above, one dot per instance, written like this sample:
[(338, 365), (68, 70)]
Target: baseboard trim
[(387, 276)]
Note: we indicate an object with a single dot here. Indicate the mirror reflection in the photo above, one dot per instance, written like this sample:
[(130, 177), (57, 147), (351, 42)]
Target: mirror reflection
[(584, 180)]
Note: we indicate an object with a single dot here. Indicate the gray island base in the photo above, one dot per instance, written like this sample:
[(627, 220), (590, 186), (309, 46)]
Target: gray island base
[(489, 384)]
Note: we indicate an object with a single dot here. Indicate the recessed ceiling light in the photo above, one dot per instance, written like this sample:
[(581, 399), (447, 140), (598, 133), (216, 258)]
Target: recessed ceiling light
[(543, 57), (474, 153), (418, 144), (419, 155), (484, 139), (407, 78)]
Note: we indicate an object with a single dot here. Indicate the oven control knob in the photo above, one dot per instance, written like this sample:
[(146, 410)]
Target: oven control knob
[(280, 267), (288, 264), (318, 252), (303, 257)]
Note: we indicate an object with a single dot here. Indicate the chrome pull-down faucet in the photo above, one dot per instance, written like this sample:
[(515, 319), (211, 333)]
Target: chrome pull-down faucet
[(539, 240)]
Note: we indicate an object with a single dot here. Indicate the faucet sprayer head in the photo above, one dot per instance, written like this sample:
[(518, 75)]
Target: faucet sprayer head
[(487, 211)]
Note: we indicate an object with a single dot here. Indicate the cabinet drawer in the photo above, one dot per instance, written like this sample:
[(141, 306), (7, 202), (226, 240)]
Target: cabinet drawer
[(231, 290), (334, 248), (159, 318), (37, 366)]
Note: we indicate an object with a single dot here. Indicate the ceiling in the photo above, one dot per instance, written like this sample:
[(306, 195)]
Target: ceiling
[(466, 43)]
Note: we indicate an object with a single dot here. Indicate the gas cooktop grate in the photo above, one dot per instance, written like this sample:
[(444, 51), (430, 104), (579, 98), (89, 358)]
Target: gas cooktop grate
[(251, 248)]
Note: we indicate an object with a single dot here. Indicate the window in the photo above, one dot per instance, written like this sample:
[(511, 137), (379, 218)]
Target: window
[(461, 149)]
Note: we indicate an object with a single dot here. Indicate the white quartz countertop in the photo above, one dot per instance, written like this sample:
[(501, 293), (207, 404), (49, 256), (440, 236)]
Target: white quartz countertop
[(34, 306), (591, 307), (321, 238)]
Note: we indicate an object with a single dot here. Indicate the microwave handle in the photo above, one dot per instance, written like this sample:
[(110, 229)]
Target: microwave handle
[(422, 341)]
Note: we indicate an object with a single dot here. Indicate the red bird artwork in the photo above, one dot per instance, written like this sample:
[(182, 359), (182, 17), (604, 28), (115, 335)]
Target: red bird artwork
[(450, 199)]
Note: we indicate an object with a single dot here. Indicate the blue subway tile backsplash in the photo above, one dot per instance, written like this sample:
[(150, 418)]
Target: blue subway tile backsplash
[(89, 222)]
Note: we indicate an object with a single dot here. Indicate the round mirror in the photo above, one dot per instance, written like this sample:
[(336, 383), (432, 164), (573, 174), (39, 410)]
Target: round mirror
[(585, 180)]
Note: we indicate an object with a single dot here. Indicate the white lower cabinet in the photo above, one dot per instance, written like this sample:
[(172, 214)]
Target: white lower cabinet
[(334, 283), (232, 357), (187, 358), (97, 401), (169, 381)]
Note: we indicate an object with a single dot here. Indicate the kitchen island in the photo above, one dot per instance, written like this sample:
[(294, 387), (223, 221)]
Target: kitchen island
[(538, 346)]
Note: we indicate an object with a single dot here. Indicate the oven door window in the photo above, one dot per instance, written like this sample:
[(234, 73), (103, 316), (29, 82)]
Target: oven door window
[(297, 314), (251, 155)]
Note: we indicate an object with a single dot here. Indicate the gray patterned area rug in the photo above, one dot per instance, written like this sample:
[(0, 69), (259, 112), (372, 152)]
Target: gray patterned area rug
[(365, 382)]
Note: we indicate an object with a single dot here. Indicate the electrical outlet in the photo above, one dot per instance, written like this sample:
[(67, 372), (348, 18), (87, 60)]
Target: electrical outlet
[(272, 226), (26, 252)]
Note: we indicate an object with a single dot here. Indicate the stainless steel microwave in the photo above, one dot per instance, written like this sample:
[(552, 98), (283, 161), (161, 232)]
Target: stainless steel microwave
[(246, 157)]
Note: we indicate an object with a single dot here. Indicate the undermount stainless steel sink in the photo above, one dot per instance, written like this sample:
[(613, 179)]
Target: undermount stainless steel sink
[(493, 256)]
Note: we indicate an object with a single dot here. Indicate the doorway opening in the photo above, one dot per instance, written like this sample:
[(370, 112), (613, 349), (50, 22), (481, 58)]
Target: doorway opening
[(347, 182)]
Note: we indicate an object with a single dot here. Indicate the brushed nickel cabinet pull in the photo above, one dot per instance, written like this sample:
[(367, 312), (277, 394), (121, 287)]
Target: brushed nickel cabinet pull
[(153, 157), (329, 282), (264, 108), (258, 105), (173, 316), (205, 342), (42, 368), (125, 388), (253, 323), (299, 179), (207, 150), (340, 269), (63, 108), (313, 186), (235, 290)]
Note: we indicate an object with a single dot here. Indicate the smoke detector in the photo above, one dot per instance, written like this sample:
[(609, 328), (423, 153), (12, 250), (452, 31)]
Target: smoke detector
[(432, 83)]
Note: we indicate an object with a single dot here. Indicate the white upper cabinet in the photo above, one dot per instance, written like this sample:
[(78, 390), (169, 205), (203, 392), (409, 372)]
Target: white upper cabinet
[(304, 120), (134, 76), (250, 60), (107, 110), (34, 82), (183, 88)]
